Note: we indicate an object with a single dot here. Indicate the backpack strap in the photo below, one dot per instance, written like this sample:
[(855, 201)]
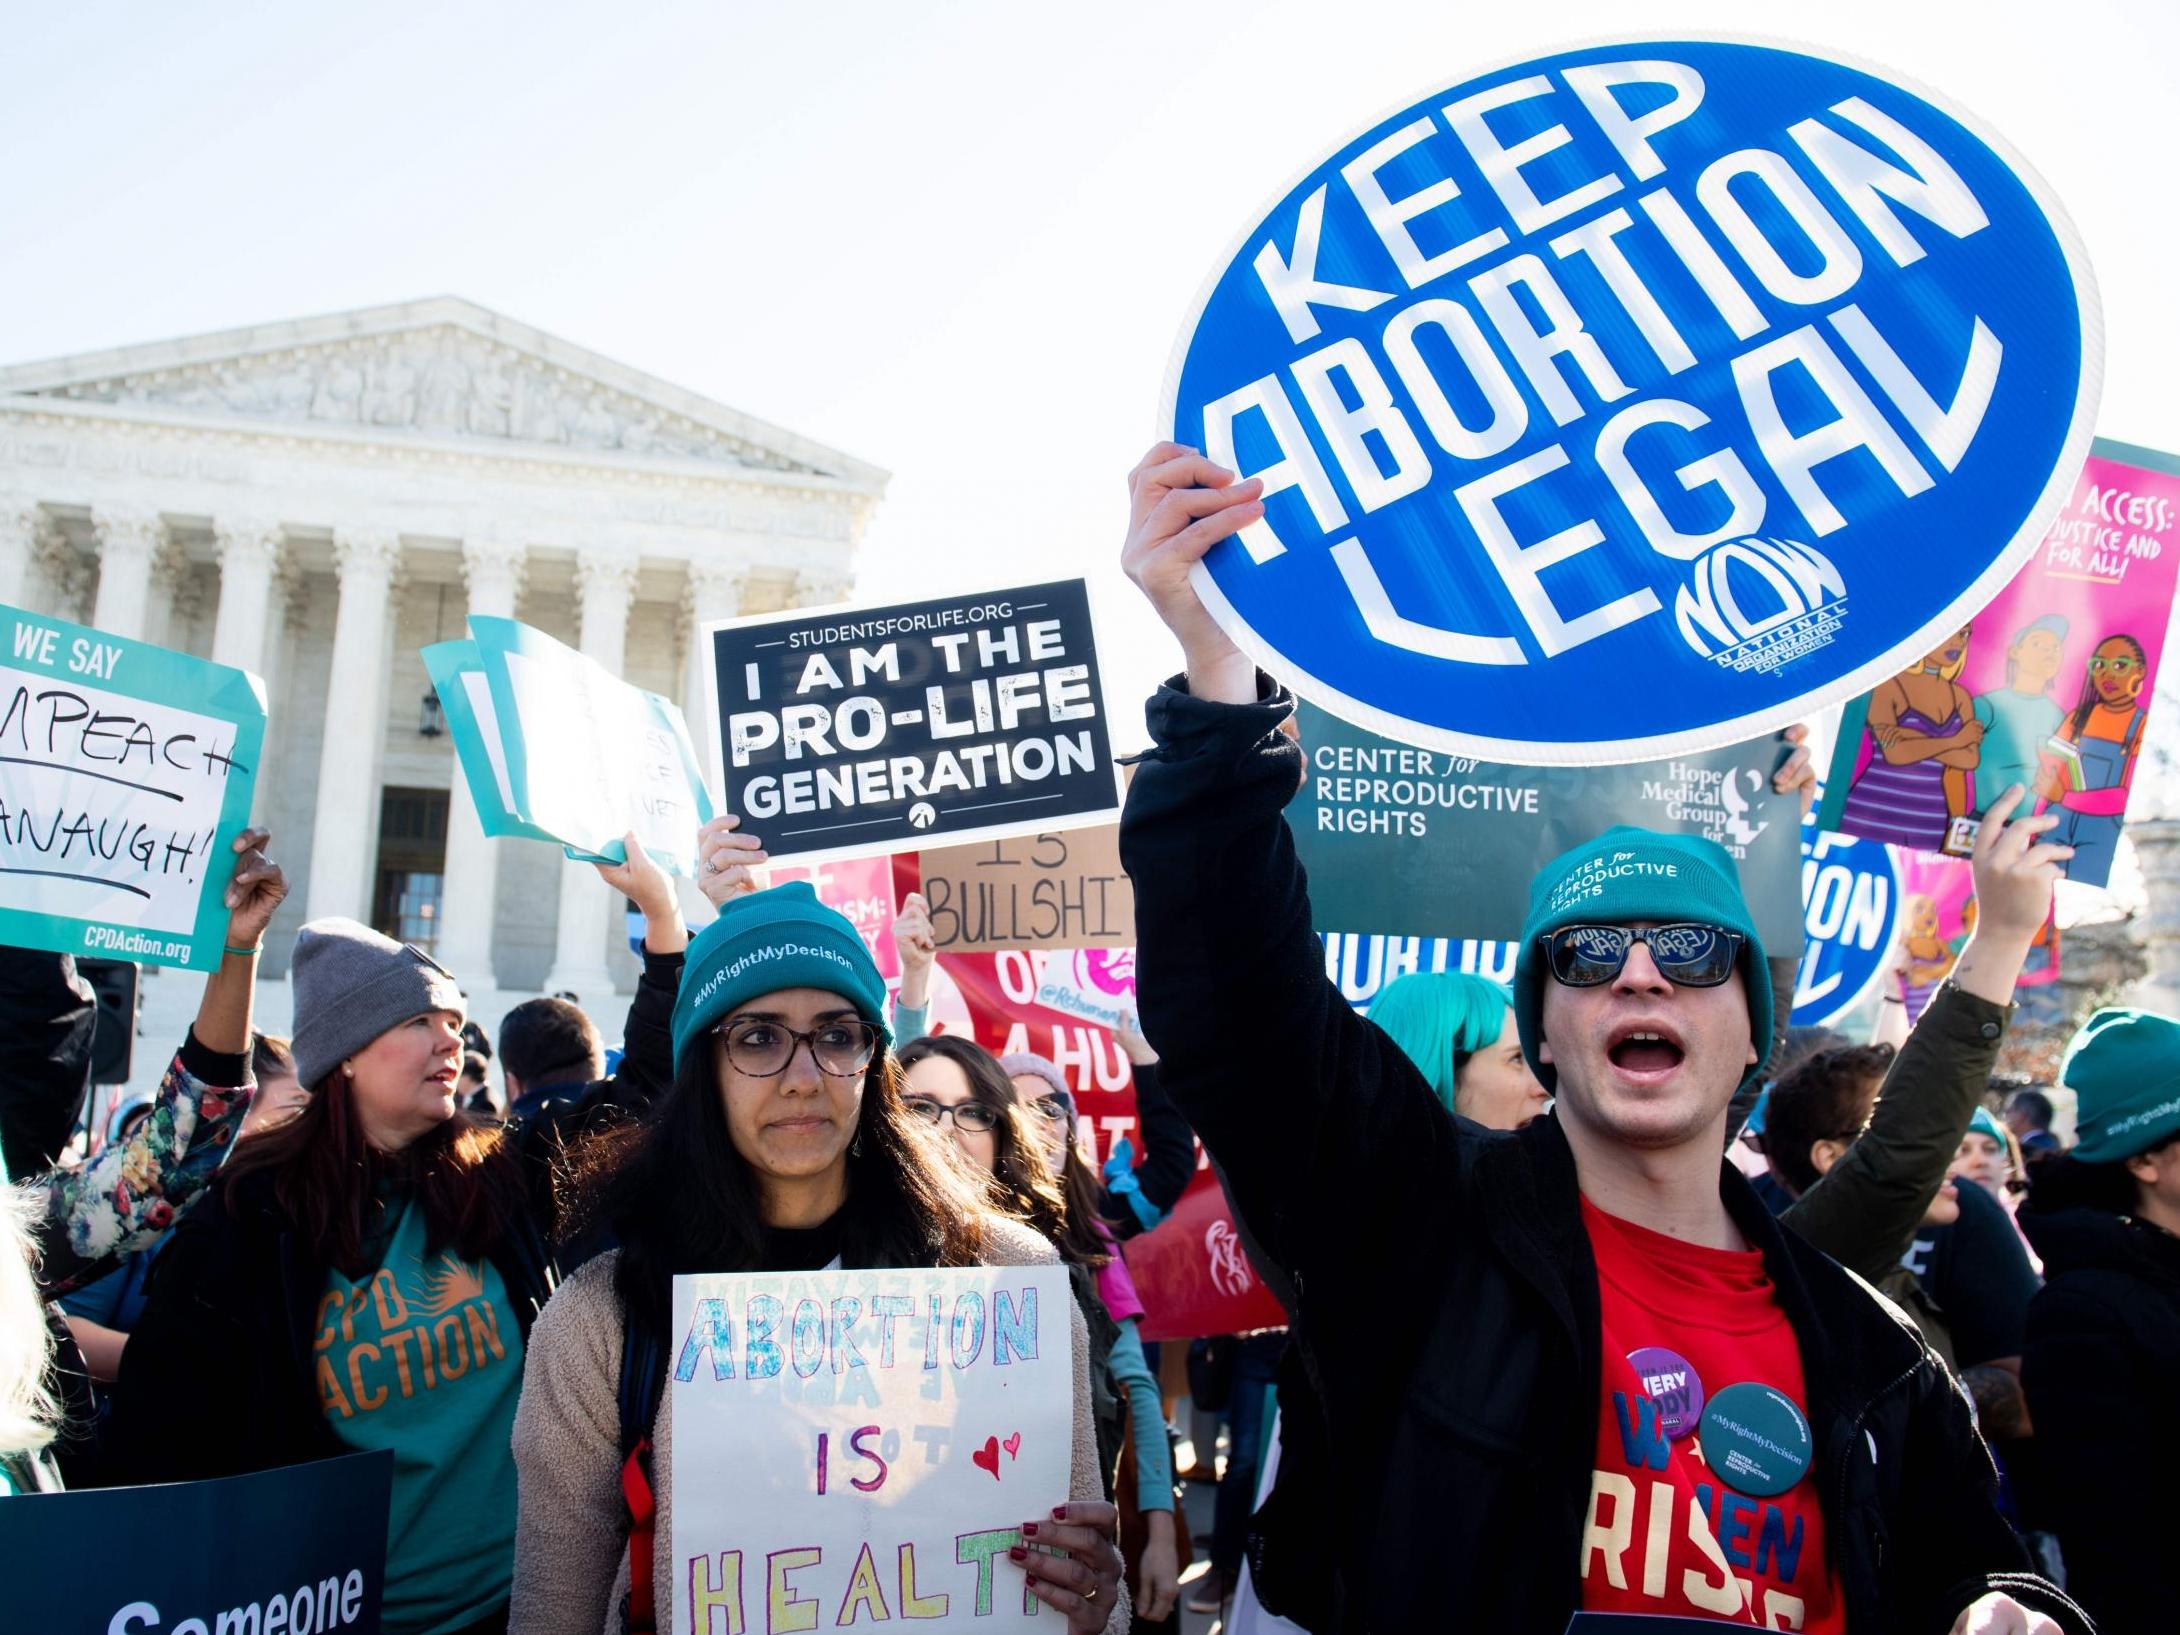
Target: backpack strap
[(643, 1383)]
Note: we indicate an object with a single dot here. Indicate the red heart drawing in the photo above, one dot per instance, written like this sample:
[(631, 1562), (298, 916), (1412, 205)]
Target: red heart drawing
[(987, 1457), (1013, 1446)]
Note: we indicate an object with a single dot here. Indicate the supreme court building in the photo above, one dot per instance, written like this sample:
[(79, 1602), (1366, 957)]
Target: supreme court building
[(315, 501)]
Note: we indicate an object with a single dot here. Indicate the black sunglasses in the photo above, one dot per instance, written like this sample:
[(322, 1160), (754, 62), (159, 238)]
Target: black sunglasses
[(1689, 954)]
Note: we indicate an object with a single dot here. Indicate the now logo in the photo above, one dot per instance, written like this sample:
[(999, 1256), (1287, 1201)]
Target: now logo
[(1746, 589)]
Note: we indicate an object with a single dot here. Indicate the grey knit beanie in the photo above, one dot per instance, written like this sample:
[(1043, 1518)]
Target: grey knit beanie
[(1027, 1063), (351, 985)]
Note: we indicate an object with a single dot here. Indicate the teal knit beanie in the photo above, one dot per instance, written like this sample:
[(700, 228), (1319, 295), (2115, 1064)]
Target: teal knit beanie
[(1624, 875), (2124, 1069), (766, 941)]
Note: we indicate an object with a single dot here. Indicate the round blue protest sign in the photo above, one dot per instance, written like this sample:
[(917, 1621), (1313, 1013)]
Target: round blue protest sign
[(1637, 397), (1850, 914)]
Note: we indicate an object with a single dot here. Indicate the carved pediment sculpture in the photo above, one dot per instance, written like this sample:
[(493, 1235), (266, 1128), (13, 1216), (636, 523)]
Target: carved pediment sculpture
[(440, 380)]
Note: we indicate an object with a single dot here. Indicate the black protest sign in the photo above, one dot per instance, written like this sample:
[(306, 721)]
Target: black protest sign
[(299, 1551), (1417, 843), (863, 730)]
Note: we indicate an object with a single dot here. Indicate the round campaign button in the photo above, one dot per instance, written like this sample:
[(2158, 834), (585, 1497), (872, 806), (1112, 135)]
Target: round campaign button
[(1676, 1388), (1756, 1439)]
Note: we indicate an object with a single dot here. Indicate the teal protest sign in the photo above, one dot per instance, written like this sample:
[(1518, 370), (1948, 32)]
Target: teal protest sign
[(1417, 843), (300, 1550), (556, 747), (465, 697), (126, 771)]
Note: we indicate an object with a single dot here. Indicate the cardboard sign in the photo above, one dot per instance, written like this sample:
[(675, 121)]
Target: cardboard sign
[(1034, 891), (852, 731), (854, 1445), (1850, 916), (862, 889), (177, 1557), (2048, 687), (556, 747), (1419, 843), (1639, 397), (126, 771)]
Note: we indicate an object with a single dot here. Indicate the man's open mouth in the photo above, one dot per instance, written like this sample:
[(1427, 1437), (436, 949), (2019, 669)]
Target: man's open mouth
[(1641, 1050)]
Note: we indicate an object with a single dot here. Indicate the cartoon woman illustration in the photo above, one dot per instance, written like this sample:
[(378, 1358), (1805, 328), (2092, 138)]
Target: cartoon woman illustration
[(1924, 743), (1927, 959), (2088, 787), (2019, 716)]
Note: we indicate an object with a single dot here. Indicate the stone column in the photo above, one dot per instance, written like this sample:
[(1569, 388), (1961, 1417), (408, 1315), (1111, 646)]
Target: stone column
[(249, 555), (19, 528), (347, 811), (822, 584), (64, 571), (469, 902), (128, 543), (605, 585), (715, 592)]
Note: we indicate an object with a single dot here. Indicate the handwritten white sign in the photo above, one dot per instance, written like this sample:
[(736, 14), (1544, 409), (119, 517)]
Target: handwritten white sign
[(125, 770), (861, 1447)]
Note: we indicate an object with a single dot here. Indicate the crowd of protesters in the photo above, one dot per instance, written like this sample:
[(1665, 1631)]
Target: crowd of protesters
[(1605, 1291)]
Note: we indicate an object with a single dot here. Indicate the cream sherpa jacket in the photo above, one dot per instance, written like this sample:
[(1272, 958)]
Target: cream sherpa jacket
[(571, 1544)]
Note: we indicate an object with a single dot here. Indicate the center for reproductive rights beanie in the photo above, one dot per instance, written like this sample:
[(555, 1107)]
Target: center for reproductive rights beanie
[(351, 985), (1625, 875)]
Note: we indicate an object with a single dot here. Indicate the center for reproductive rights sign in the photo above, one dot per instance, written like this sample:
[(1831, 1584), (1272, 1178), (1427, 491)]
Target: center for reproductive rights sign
[(1637, 398)]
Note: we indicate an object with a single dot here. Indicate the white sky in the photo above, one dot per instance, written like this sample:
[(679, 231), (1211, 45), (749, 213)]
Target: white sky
[(955, 240)]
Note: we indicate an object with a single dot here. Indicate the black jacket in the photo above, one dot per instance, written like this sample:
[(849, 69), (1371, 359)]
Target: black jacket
[(48, 1015), (1444, 1297), (218, 1376), (2101, 1369)]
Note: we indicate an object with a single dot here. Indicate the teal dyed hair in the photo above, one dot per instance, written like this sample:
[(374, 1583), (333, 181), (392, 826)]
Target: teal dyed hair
[(1440, 1019)]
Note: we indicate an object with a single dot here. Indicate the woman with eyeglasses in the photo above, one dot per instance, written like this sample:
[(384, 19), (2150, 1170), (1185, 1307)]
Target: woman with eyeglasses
[(1019, 1132), (2090, 762), (782, 1145)]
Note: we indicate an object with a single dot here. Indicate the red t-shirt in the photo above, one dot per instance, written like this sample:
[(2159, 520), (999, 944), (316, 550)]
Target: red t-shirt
[(1664, 1534)]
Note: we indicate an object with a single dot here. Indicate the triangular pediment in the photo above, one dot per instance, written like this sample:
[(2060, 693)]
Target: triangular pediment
[(438, 369)]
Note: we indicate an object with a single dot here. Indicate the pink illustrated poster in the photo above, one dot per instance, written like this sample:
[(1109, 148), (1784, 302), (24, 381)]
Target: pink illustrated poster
[(2048, 687), (862, 889), (1937, 913)]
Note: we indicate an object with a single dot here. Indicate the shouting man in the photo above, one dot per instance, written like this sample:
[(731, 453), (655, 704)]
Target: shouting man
[(1576, 1367)]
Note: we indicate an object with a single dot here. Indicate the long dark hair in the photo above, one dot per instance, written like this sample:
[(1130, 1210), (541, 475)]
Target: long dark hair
[(679, 1197), (326, 1178), (2089, 699), (1022, 1180)]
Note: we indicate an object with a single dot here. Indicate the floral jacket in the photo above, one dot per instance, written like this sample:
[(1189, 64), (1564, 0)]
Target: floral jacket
[(125, 1197)]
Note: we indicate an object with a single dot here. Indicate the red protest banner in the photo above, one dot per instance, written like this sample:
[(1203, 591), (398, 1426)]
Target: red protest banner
[(1192, 1272)]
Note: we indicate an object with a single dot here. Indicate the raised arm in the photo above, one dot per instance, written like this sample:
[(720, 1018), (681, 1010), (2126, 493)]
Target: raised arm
[(129, 1194), (1865, 1210), (1136, 1197), (1298, 1099), (647, 1047)]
